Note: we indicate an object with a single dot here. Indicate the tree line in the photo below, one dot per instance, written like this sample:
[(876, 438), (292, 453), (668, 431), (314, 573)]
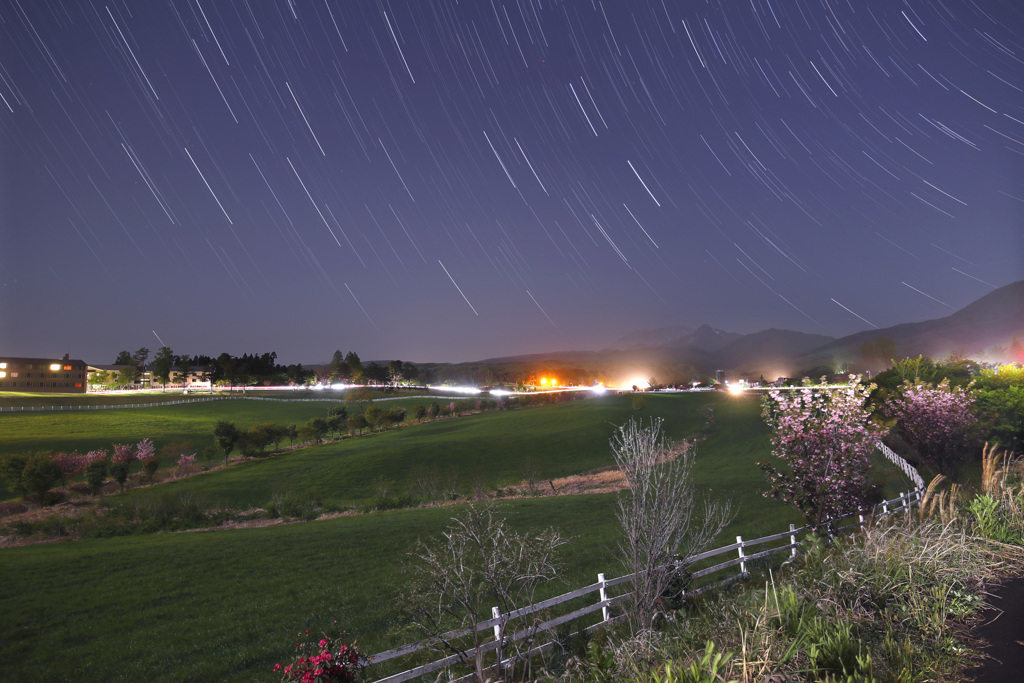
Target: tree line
[(251, 370)]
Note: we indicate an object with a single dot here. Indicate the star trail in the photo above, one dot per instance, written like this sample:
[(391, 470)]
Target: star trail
[(254, 175)]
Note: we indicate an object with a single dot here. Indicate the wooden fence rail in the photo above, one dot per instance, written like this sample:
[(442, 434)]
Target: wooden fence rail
[(904, 503)]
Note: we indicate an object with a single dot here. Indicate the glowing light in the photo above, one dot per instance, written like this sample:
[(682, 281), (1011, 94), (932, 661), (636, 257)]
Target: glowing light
[(3, 366), (500, 392), (2, 373), (457, 390), (599, 389), (639, 383), (543, 381), (55, 366), (736, 388), (554, 382)]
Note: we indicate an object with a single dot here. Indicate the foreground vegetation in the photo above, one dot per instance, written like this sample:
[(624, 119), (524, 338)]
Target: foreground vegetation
[(893, 602), (226, 604)]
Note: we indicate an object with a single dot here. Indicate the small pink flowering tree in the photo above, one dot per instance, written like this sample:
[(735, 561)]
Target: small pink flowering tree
[(123, 453), (145, 452), (120, 462), (70, 464), (934, 420), (186, 462), (95, 469), (823, 440)]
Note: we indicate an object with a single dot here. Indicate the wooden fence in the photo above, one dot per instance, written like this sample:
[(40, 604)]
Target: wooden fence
[(792, 539)]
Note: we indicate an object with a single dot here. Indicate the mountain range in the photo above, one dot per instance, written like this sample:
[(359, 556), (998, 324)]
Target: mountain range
[(991, 328)]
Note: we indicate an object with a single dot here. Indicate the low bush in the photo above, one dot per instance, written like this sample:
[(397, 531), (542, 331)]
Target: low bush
[(291, 505)]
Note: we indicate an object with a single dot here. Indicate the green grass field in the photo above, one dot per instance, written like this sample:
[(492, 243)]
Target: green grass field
[(561, 439), (227, 604)]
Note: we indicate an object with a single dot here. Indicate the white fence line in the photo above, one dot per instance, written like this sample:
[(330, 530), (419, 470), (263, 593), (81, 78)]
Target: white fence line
[(497, 622), (111, 406), (907, 468), (114, 406)]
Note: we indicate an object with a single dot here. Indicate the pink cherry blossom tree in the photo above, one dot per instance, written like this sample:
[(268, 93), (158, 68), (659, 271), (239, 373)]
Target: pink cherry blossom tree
[(123, 453), (823, 440), (70, 464), (144, 450), (934, 420)]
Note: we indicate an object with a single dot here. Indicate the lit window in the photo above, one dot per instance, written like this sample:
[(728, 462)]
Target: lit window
[(2, 373), (3, 366), (55, 366), (67, 367)]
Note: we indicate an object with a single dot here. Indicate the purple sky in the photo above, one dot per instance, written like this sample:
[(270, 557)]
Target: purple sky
[(441, 181)]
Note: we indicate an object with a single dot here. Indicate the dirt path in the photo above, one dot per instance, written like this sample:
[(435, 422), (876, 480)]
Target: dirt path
[(1002, 628)]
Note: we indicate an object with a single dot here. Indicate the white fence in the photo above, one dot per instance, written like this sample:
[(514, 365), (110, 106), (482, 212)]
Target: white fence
[(111, 406), (794, 536), (905, 466), (115, 406)]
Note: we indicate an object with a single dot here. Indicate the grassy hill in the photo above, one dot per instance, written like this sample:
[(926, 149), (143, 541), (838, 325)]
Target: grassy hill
[(557, 440), (226, 604)]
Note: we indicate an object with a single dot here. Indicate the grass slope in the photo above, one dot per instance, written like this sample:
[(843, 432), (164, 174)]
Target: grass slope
[(560, 439), (227, 604)]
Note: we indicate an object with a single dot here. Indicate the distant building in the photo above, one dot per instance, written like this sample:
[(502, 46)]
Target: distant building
[(198, 378), (52, 375), (113, 371)]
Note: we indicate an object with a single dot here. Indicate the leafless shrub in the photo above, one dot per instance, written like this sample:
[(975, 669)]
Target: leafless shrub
[(478, 563), (662, 519)]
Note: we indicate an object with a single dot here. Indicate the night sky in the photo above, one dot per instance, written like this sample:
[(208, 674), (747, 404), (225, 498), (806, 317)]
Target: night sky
[(444, 181)]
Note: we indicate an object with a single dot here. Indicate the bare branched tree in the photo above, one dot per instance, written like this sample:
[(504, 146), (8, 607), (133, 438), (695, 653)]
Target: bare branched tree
[(662, 520), (479, 563)]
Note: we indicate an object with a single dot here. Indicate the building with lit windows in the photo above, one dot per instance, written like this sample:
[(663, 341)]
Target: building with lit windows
[(52, 375)]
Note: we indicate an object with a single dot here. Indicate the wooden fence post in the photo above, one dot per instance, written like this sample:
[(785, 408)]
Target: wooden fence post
[(792, 540), (743, 563), (603, 593)]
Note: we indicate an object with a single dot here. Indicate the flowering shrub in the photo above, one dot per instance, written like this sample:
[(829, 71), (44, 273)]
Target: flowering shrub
[(934, 420), (186, 462), (145, 450), (93, 456), (70, 464), (123, 453), (824, 440), (327, 660)]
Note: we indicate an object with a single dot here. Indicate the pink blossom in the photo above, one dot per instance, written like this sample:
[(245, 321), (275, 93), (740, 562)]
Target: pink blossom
[(145, 450), (123, 452), (824, 440), (934, 420)]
